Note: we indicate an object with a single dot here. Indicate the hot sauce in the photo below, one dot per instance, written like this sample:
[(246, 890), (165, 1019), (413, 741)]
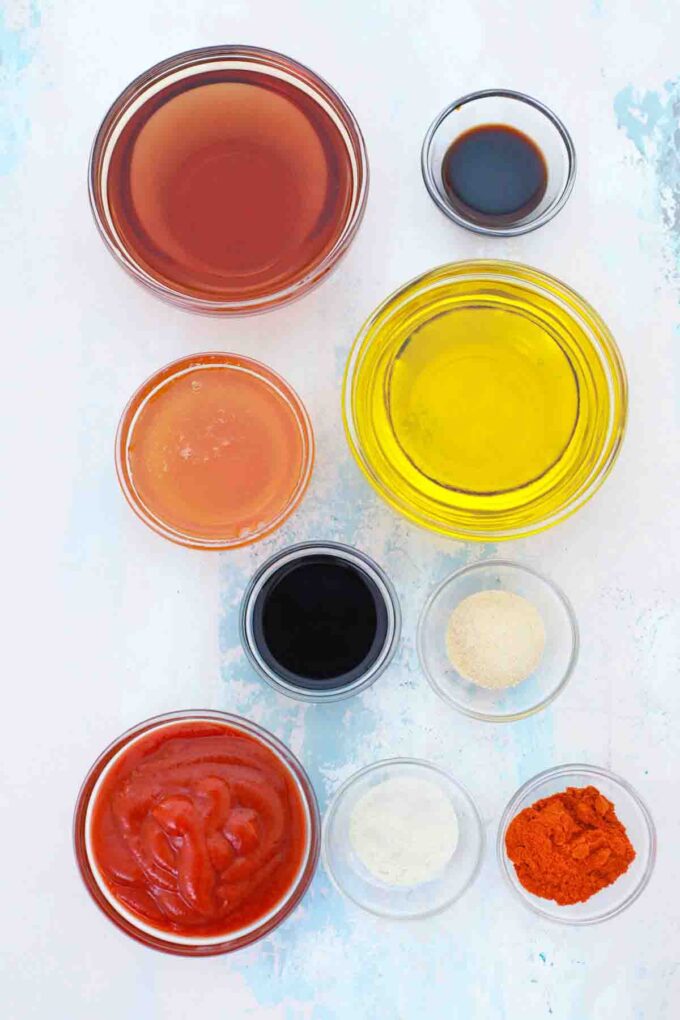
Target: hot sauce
[(197, 829)]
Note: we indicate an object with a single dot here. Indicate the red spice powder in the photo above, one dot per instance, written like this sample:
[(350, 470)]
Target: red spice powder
[(569, 846)]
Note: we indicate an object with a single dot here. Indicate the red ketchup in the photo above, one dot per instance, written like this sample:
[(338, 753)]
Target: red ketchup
[(198, 829)]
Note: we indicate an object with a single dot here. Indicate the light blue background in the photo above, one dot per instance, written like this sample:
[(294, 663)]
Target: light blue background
[(108, 624)]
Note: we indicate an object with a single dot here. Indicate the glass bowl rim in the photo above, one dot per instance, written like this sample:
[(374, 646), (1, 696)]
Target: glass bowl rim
[(472, 568), (347, 784), (227, 359), (531, 277), (567, 770), (386, 588), (268, 58), (512, 230), (308, 864)]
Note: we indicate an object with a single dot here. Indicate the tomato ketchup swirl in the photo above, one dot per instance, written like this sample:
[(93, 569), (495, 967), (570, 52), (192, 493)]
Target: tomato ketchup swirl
[(198, 829)]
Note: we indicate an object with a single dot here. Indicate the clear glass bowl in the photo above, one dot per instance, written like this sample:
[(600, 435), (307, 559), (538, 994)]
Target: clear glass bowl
[(355, 881), (208, 60), (495, 295), (363, 563), (510, 109), (163, 940), (530, 695), (152, 386), (631, 811)]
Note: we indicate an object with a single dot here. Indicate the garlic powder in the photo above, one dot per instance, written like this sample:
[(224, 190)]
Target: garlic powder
[(495, 638)]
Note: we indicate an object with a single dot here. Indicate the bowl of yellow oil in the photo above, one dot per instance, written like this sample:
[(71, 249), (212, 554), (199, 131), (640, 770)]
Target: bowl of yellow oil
[(485, 400)]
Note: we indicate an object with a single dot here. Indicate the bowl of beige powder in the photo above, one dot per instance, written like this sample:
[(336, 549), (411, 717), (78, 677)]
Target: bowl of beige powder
[(497, 641)]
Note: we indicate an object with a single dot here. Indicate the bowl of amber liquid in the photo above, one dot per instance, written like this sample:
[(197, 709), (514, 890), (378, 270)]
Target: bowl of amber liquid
[(485, 400), (228, 179)]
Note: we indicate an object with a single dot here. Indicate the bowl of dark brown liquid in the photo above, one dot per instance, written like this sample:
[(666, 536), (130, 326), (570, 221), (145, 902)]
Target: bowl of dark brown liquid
[(229, 179), (320, 621), (498, 162)]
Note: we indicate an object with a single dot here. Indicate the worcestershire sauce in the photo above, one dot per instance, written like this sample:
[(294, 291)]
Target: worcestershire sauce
[(494, 175)]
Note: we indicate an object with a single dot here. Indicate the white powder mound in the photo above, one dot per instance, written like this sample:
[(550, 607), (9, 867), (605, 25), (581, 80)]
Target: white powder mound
[(495, 638), (404, 831)]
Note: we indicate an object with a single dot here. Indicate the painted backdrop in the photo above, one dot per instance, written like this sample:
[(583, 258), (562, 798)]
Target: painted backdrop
[(107, 624)]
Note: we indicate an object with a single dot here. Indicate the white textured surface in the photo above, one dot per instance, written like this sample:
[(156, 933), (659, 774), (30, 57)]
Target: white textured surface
[(107, 624)]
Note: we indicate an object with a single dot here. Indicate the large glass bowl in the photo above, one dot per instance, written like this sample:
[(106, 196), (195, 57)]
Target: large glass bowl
[(209, 62), (545, 317), (161, 939)]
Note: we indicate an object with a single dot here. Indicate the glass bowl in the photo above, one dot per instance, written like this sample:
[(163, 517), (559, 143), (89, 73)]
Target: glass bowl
[(273, 282), (553, 671), (515, 320), (380, 584), (167, 941), (631, 811), (349, 875), (514, 110), (274, 512)]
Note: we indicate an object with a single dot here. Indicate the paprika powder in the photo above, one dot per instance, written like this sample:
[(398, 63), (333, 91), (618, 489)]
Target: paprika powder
[(569, 846)]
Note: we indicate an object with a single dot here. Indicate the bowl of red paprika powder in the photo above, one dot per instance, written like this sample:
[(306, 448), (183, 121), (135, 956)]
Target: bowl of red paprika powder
[(577, 844)]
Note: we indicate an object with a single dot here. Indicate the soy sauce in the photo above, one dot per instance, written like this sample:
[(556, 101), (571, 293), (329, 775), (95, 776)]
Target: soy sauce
[(320, 622), (494, 175)]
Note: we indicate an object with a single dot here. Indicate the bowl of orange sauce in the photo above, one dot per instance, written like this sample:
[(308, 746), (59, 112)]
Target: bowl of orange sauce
[(214, 451), (197, 833)]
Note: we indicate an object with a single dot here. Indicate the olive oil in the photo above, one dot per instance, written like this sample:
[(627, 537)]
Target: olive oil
[(482, 400), (485, 400)]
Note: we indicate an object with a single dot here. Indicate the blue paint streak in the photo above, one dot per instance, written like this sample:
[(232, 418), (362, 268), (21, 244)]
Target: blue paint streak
[(639, 114), (389, 964), (17, 47), (328, 742), (650, 119)]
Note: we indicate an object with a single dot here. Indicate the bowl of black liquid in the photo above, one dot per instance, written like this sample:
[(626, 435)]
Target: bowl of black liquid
[(498, 162), (320, 621)]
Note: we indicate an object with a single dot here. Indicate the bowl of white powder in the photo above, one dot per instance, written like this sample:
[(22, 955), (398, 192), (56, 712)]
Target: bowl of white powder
[(402, 839), (497, 641)]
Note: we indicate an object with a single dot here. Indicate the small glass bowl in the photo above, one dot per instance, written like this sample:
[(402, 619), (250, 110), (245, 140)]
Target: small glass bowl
[(366, 566), (152, 386), (511, 109), (204, 61), (166, 941), (528, 696), (352, 878), (631, 811)]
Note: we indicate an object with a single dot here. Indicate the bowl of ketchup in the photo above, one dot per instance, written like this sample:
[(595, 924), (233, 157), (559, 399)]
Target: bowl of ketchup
[(197, 833)]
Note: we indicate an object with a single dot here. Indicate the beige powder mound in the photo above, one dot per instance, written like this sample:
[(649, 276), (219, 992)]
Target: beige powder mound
[(495, 638)]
